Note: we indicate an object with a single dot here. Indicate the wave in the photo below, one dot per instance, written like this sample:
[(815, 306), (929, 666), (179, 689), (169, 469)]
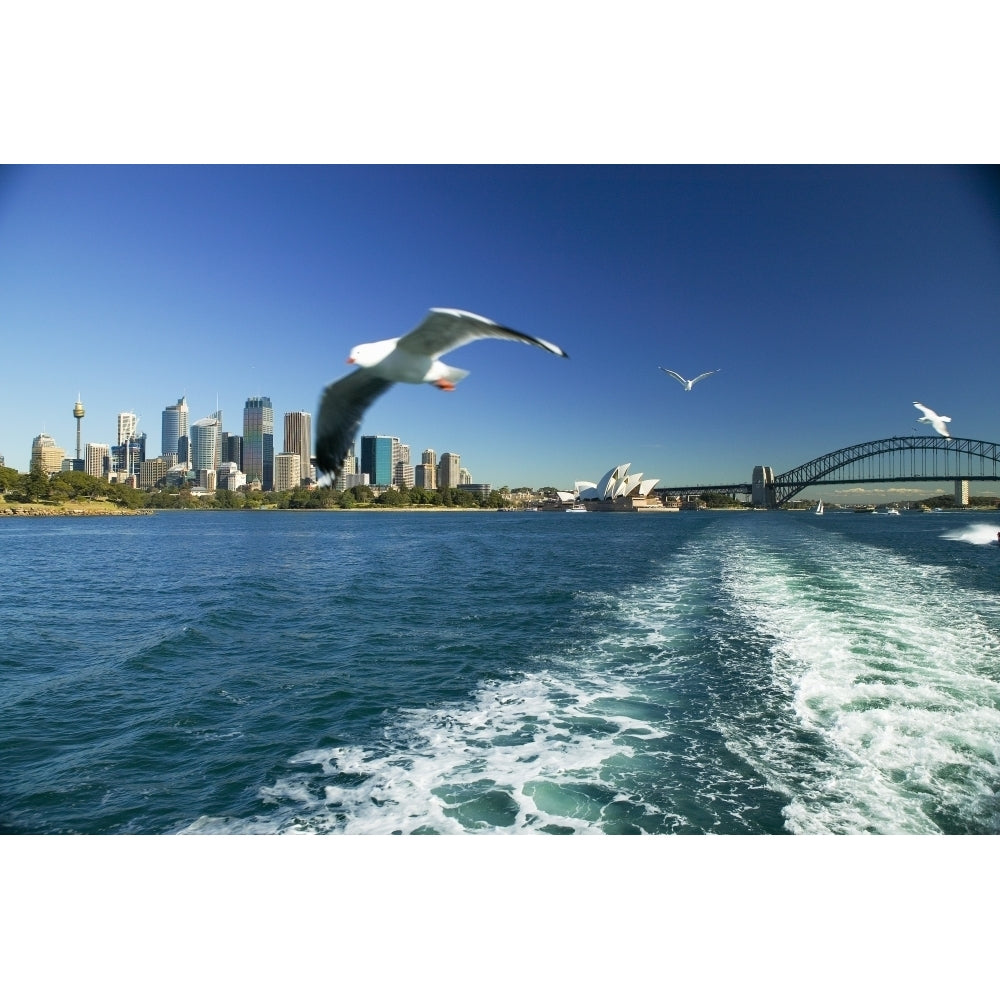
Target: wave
[(890, 671)]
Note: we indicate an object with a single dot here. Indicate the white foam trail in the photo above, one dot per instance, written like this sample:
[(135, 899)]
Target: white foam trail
[(521, 757), (544, 752), (892, 668), (977, 534)]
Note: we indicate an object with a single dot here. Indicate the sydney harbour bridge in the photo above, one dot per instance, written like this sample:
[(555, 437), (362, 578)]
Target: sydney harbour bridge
[(889, 460)]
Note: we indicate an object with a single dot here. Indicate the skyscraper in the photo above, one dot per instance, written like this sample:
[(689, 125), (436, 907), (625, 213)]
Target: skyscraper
[(206, 442), (298, 439), (378, 458), (121, 453), (258, 441), (425, 474), (98, 460), (46, 455), (448, 470), (232, 449), (175, 427), (127, 423)]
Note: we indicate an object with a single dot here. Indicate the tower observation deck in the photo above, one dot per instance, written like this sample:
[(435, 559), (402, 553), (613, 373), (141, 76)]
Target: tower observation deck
[(78, 412)]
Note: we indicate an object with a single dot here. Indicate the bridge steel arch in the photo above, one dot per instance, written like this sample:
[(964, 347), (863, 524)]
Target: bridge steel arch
[(893, 460)]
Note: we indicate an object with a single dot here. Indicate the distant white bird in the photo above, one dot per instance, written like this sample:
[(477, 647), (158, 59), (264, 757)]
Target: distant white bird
[(412, 358), (688, 383), (930, 417)]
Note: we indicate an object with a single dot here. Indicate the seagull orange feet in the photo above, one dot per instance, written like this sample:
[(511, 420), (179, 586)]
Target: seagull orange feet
[(443, 383)]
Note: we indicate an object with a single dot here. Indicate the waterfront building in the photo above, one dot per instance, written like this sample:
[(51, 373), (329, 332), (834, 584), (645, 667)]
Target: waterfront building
[(464, 477), (349, 473), (97, 461), (481, 490), (287, 470), (298, 439), (378, 458), (617, 490), (230, 477), (206, 443), (152, 471), (174, 426), (425, 475), (258, 441), (403, 477), (429, 457), (46, 455), (448, 470)]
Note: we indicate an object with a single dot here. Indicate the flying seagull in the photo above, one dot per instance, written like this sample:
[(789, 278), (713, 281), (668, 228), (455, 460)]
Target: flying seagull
[(688, 383), (930, 417), (413, 358)]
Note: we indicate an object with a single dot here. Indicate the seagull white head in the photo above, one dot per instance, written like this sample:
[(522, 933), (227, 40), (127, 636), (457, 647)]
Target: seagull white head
[(369, 355)]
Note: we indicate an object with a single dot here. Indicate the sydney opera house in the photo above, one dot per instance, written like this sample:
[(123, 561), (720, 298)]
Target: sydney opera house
[(617, 491)]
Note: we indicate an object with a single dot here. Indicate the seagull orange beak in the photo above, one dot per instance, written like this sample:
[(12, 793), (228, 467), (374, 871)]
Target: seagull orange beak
[(350, 361)]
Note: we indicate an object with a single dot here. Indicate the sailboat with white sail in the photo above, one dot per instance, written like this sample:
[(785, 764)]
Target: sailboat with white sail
[(819, 508)]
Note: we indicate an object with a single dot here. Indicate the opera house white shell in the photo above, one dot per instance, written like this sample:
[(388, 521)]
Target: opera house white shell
[(616, 490)]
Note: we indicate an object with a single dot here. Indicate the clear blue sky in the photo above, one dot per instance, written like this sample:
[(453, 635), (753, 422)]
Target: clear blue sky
[(829, 297)]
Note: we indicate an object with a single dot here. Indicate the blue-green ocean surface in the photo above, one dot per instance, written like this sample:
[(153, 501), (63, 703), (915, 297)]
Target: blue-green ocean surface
[(447, 673)]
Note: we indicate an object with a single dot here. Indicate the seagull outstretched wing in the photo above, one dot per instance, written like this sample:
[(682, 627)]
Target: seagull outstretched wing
[(445, 329), (340, 411), (680, 378)]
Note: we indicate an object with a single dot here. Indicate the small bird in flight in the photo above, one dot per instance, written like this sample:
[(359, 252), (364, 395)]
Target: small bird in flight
[(688, 383), (930, 417), (412, 358)]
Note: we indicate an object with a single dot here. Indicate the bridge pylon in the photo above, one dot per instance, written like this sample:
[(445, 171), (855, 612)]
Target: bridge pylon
[(763, 494)]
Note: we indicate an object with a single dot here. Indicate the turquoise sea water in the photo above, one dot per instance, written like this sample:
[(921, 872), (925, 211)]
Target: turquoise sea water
[(500, 673)]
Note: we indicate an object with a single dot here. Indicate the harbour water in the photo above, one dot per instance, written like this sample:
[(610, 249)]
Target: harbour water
[(501, 673)]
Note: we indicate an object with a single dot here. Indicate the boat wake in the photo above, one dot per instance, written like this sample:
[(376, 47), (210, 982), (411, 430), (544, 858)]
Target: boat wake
[(977, 534)]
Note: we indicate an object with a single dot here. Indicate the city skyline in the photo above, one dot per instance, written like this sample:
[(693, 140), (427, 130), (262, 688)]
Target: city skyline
[(830, 298), (201, 444)]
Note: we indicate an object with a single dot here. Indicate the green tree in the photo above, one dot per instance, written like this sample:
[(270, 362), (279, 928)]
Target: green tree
[(229, 499), (8, 478), (35, 486), (362, 493), (717, 500), (391, 498)]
